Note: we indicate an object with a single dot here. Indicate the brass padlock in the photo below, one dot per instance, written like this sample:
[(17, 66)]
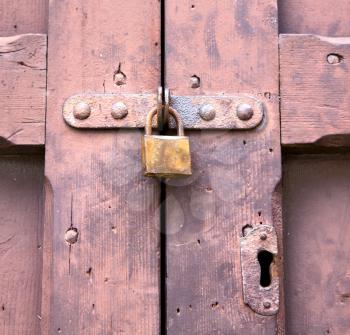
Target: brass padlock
[(166, 156)]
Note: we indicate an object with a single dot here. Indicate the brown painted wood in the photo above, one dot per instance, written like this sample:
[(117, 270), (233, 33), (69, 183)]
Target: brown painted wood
[(21, 207), (317, 250), (22, 89), (315, 98), (322, 17), (107, 282), (232, 47), (23, 16)]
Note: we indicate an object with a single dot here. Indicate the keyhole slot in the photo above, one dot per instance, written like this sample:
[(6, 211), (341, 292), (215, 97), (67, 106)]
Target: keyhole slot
[(265, 259)]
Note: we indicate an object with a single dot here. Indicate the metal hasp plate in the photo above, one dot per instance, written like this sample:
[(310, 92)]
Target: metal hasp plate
[(261, 299), (130, 110)]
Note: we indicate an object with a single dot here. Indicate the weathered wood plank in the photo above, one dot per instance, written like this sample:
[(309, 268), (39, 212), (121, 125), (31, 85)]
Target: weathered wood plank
[(22, 89), (233, 48), (107, 282), (23, 16), (317, 249), (315, 95), (326, 17), (21, 207)]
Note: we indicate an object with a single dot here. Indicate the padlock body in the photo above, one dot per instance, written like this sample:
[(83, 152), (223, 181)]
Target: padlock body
[(166, 156)]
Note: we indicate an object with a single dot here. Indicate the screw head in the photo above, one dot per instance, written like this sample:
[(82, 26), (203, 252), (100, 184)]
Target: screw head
[(263, 236), (244, 111), (71, 235), (207, 112), (195, 82), (81, 110), (333, 59), (119, 110), (267, 304)]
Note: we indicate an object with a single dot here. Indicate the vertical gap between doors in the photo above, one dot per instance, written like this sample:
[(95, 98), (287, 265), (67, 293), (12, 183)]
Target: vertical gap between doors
[(163, 261)]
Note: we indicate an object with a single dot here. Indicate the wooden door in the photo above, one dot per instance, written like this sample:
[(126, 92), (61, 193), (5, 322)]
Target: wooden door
[(89, 245)]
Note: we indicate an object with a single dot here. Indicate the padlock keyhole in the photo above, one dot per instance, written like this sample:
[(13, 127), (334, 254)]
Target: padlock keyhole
[(265, 259)]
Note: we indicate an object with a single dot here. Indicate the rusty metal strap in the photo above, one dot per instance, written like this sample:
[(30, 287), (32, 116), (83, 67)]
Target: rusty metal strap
[(129, 111)]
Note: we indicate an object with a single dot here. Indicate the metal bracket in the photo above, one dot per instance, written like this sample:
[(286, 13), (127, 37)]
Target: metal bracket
[(129, 111), (262, 300)]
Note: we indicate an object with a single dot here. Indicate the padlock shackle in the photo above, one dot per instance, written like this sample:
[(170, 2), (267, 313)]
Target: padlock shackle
[(173, 113)]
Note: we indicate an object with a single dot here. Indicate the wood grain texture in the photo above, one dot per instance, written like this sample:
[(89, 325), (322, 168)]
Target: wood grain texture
[(21, 208), (317, 249), (232, 47), (325, 17), (315, 98), (22, 89), (23, 16), (107, 282)]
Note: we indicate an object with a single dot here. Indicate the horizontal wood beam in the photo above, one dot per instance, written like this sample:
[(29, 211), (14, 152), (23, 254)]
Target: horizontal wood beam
[(22, 89), (315, 94)]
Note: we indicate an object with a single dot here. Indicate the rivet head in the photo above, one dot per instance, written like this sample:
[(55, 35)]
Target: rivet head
[(119, 110), (263, 236), (207, 112), (244, 111), (71, 235), (267, 304), (195, 82), (82, 110)]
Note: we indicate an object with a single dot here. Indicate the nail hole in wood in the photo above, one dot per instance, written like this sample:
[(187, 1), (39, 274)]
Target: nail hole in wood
[(334, 58), (246, 229), (215, 304)]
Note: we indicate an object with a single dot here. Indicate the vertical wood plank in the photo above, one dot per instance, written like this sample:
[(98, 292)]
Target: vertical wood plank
[(107, 282), (232, 49), (317, 232), (21, 207), (23, 16)]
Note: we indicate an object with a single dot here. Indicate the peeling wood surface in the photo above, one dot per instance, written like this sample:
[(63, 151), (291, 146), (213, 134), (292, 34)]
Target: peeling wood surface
[(317, 249), (315, 96), (233, 49), (322, 17), (22, 89), (107, 282), (21, 207), (23, 16)]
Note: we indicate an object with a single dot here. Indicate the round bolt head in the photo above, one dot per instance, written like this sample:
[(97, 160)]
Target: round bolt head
[(71, 235), (244, 112), (119, 110), (267, 304), (263, 237), (81, 110), (207, 112)]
